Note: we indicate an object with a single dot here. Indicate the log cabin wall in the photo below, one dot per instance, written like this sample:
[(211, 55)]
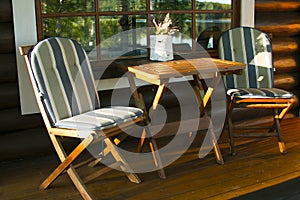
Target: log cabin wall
[(25, 135), (281, 20), (20, 135)]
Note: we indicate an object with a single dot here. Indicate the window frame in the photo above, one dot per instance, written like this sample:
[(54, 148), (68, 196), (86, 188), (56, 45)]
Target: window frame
[(235, 20)]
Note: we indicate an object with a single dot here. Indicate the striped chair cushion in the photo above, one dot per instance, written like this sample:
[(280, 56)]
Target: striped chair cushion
[(259, 93), (100, 119), (64, 78), (252, 47)]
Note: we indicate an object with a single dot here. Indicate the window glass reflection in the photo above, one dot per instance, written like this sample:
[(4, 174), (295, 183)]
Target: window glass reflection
[(209, 28), (118, 16), (171, 4), (213, 4), (181, 39), (133, 38), (124, 5), (62, 6), (81, 29), (182, 21)]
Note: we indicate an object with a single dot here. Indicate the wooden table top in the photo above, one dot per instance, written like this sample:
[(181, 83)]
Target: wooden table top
[(150, 70)]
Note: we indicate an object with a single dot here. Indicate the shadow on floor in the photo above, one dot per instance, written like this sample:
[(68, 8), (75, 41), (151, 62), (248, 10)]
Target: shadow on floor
[(289, 190)]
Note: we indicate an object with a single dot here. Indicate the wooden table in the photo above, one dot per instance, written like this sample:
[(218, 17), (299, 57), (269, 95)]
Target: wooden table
[(160, 73)]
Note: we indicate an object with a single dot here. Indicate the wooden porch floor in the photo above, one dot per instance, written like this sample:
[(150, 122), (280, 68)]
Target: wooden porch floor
[(258, 171)]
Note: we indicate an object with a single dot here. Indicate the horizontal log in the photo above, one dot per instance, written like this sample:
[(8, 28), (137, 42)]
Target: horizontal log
[(279, 6), (12, 120), (276, 18), (287, 63), (29, 142), (281, 30), (8, 68), (296, 92), (286, 45), (286, 81), (9, 96), (7, 44), (6, 11)]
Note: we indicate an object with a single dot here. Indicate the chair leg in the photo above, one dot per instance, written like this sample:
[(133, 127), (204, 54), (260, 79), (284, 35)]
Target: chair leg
[(101, 172), (229, 123), (99, 157), (79, 183), (231, 138), (66, 163), (281, 144), (119, 158)]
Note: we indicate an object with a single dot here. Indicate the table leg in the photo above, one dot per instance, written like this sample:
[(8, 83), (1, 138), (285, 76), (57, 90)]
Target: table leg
[(203, 98), (161, 89), (210, 90), (219, 157), (137, 97), (199, 91), (153, 146), (139, 102)]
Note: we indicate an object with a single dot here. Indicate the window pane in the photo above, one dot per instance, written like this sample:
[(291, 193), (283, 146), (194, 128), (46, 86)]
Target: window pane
[(79, 23), (209, 28), (183, 22), (65, 6), (171, 5), (122, 34), (124, 5), (81, 29), (213, 4), (182, 41)]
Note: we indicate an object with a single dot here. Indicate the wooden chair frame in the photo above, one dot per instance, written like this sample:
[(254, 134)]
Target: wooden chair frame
[(280, 108), (94, 136), (239, 45)]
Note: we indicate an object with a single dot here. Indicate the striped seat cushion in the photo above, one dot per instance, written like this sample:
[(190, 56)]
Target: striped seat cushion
[(100, 119), (64, 77), (66, 84), (259, 93)]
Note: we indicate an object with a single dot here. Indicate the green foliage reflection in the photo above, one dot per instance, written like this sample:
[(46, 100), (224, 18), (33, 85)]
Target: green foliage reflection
[(81, 29), (65, 6)]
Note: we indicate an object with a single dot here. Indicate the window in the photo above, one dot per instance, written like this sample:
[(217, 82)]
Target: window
[(93, 22)]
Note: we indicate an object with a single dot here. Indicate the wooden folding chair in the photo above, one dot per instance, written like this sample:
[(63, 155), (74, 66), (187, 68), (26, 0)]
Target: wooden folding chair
[(255, 87), (67, 98)]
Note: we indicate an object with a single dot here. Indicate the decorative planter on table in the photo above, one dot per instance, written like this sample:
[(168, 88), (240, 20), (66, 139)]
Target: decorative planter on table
[(161, 48)]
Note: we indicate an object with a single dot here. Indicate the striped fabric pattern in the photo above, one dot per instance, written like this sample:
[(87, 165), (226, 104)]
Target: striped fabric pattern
[(66, 83), (101, 118), (259, 93), (252, 47), (64, 77)]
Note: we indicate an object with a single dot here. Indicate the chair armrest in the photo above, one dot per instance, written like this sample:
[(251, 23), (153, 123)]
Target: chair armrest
[(24, 50)]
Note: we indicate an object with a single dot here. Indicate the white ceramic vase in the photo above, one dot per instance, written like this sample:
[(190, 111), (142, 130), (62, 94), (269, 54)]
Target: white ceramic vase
[(161, 48)]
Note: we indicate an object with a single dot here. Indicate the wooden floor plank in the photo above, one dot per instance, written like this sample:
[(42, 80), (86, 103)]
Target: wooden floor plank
[(257, 165)]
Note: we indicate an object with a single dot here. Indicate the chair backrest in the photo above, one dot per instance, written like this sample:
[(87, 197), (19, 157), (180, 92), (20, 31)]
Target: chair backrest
[(63, 77), (252, 47), (212, 32)]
